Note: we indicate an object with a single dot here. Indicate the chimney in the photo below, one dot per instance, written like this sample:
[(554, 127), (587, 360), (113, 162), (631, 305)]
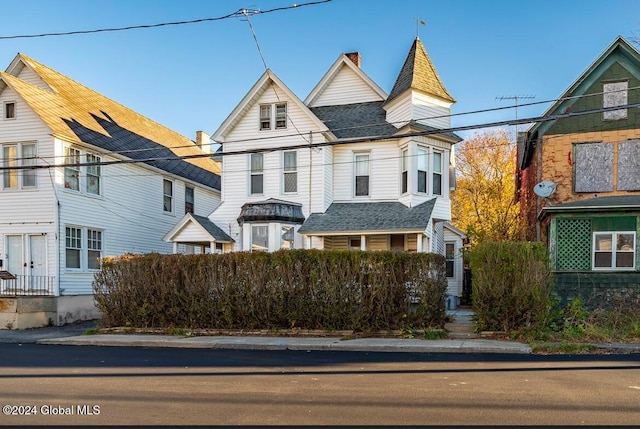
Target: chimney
[(203, 140), (354, 57)]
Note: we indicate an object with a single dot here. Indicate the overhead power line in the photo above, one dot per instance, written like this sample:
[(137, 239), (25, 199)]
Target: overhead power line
[(335, 142), (237, 13)]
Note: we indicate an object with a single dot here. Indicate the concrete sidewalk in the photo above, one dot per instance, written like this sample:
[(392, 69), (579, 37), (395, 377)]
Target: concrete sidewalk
[(294, 343)]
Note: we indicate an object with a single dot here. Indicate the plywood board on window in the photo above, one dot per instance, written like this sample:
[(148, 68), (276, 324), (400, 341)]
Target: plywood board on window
[(629, 165), (593, 167)]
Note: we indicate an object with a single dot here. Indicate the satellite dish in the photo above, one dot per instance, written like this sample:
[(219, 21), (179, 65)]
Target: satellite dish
[(544, 189)]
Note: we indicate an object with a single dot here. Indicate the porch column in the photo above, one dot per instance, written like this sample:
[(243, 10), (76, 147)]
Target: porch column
[(212, 247), (419, 243), (363, 242), (309, 240), (175, 247)]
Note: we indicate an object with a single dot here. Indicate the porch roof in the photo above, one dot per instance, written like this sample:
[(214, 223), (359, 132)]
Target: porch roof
[(596, 204), (369, 217), (209, 231)]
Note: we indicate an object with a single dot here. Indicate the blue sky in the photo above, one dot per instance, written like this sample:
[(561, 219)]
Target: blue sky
[(190, 77)]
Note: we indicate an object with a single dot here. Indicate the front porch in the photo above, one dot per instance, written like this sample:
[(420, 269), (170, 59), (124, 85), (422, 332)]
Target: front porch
[(23, 285)]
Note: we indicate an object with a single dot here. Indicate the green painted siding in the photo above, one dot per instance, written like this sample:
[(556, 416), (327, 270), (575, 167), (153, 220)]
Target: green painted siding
[(597, 289), (594, 122), (614, 223)]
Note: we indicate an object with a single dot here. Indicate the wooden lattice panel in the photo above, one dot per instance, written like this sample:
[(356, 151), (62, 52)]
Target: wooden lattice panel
[(573, 244)]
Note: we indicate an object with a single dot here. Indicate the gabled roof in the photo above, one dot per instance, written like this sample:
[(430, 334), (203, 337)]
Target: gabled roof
[(329, 76), (79, 114), (418, 73), (210, 231), (268, 78), (620, 50), (613, 203), (455, 230), (369, 218)]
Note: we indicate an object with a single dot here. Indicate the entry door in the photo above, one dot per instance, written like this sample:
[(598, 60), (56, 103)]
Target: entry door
[(37, 263), (29, 263), (15, 264)]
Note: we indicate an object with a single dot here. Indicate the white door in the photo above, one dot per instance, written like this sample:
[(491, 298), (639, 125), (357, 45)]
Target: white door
[(37, 263), (15, 263)]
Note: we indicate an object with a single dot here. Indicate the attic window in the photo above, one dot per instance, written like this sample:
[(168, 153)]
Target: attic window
[(615, 94), (9, 110), (273, 116)]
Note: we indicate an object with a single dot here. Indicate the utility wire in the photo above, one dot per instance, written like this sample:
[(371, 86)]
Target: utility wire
[(237, 13), (339, 141)]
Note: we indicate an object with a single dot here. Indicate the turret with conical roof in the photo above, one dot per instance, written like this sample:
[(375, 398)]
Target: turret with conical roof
[(418, 93)]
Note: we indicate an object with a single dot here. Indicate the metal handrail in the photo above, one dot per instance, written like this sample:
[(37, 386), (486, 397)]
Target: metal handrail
[(22, 285)]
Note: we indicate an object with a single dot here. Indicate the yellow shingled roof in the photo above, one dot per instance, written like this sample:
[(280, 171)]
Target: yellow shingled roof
[(73, 101)]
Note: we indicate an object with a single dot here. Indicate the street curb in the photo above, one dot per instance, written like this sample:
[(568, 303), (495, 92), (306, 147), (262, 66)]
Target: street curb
[(301, 344)]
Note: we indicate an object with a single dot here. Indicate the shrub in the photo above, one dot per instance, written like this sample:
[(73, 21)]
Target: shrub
[(307, 289), (512, 286)]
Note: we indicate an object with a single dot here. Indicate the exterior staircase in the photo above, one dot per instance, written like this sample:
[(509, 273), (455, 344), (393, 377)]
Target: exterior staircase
[(462, 324)]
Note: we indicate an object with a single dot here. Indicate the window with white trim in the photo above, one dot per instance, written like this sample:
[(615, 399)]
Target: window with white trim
[(83, 248), (290, 172), (614, 250), (94, 249), (362, 172), (9, 109), (450, 261), (273, 116), (167, 196), (72, 168), (614, 94), (73, 247), (423, 162), (260, 238), (405, 171), (189, 199), (257, 173), (93, 174), (19, 155), (437, 173)]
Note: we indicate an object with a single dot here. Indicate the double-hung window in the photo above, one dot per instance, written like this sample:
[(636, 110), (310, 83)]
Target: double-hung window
[(189, 199), (83, 248), (405, 172), (290, 172), (93, 174), (72, 169), (73, 247), (273, 116), (94, 249), (257, 173), (437, 173), (17, 158), (423, 162), (615, 94), (361, 174), (167, 196), (614, 250), (450, 249)]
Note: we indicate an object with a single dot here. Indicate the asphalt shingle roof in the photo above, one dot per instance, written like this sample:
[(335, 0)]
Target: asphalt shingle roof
[(354, 120), (419, 73), (621, 201), (75, 112), (212, 228), (369, 217)]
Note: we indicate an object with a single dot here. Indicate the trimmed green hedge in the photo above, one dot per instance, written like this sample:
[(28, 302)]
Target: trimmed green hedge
[(512, 286), (307, 289)]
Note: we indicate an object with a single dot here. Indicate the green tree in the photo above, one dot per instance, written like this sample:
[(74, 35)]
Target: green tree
[(484, 203)]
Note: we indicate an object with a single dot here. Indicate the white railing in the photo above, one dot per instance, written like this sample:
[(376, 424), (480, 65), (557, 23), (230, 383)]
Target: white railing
[(19, 285)]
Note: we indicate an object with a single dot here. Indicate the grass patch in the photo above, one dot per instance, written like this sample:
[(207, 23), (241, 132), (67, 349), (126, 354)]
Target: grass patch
[(91, 331), (563, 348)]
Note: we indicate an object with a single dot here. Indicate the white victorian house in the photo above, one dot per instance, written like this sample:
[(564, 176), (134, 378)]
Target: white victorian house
[(350, 167), (81, 178)]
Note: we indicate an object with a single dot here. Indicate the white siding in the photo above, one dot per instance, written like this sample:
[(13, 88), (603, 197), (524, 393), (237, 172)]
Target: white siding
[(28, 211), (399, 112), (345, 88), (27, 75), (420, 107), (383, 175)]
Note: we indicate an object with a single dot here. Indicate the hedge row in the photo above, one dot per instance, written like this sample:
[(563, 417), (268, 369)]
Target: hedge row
[(512, 286), (306, 289)]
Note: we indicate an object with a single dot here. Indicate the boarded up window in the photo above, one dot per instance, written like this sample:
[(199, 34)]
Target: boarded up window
[(614, 94), (629, 165), (593, 167)]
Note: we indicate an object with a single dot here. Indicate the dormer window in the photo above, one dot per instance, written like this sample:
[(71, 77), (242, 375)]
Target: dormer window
[(9, 110), (273, 116)]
